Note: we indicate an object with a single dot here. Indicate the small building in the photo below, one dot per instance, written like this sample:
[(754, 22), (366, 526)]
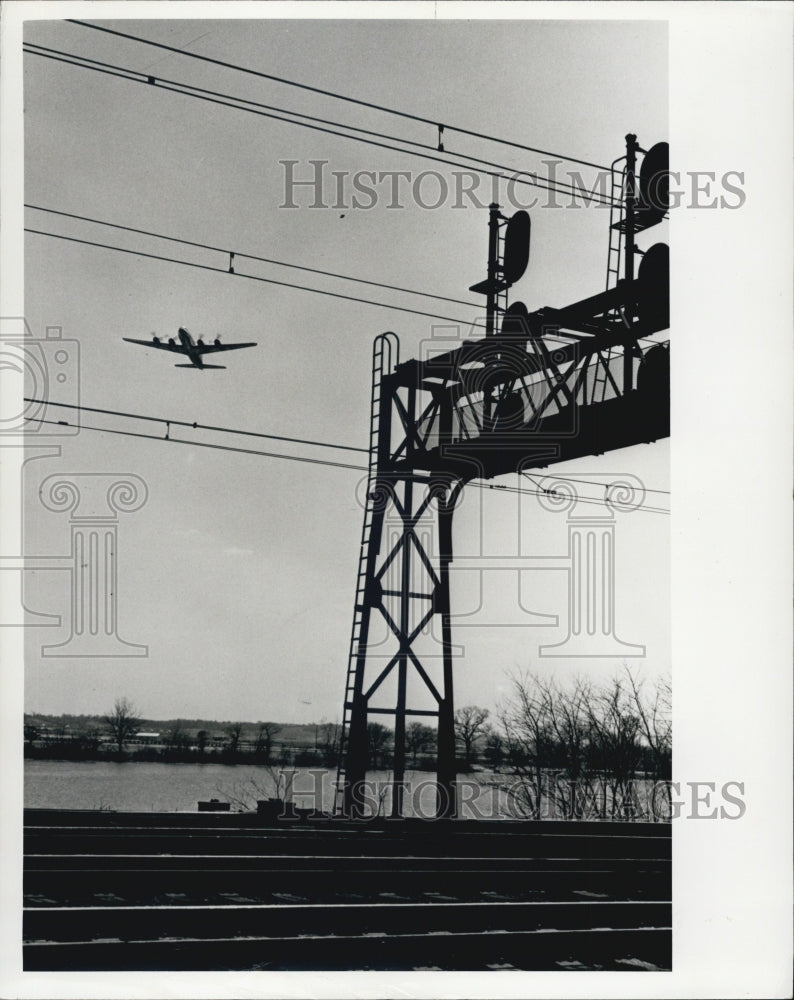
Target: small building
[(214, 805)]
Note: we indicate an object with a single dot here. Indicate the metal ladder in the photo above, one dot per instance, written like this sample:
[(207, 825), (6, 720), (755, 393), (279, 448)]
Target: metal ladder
[(616, 216), (502, 293), (501, 298), (385, 355), (614, 256)]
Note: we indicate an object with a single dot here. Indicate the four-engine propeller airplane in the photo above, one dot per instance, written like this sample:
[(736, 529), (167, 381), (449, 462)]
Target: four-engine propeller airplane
[(194, 349)]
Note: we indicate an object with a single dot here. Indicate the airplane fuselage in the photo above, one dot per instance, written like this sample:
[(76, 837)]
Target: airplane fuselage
[(190, 347)]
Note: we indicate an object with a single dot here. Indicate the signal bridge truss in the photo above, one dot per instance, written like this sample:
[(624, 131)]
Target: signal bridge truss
[(547, 387)]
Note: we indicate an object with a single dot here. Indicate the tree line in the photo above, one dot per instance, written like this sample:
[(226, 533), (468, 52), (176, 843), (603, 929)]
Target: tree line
[(576, 749), (119, 735), (588, 751)]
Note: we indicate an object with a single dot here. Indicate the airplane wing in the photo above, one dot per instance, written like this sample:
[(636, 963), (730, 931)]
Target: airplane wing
[(209, 348), (178, 348)]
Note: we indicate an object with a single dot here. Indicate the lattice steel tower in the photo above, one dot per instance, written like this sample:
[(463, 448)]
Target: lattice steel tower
[(539, 388)]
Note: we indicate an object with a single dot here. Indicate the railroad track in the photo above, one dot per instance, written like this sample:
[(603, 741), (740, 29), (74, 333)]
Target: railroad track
[(178, 891)]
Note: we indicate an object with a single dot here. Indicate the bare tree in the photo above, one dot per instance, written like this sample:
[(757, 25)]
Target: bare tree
[(89, 740), (271, 783), (581, 749), (546, 736), (234, 731), (268, 731), (419, 739), (615, 732), (123, 722), (177, 739), (378, 737), (528, 738), (469, 725), (328, 743), (654, 712), (494, 747), (568, 710)]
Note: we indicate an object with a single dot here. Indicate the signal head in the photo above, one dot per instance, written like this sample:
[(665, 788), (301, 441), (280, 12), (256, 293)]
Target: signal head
[(653, 287), (515, 323), (654, 184), (517, 239)]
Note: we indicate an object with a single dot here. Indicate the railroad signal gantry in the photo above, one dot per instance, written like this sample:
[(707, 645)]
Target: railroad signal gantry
[(545, 387)]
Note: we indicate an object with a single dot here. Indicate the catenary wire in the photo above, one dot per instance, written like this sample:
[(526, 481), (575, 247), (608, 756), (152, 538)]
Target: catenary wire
[(254, 277), (248, 451), (192, 424), (199, 444), (266, 260), (590, 500), (329, 93), (249, 256), (71, 58), (254, 257), (123, 74), (588, 482), (203, 94), (471, 324)]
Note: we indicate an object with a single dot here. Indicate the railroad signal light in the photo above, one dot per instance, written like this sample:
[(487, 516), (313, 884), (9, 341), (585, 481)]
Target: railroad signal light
[(516, 255), (654, 186), (653, 288)]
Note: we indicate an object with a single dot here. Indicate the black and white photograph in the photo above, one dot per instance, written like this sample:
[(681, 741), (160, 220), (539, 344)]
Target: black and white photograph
[(386, 595)]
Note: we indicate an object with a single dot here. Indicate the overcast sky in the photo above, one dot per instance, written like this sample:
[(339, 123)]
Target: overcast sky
[(239, 571)]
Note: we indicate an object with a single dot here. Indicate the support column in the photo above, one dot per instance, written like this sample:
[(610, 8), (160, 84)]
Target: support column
[(446, 794), (402, 666), (631, 211)]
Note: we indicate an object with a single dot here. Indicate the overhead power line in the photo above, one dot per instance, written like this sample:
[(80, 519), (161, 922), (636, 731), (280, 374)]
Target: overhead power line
[(296, 458), (193, 425), (591, 500), (199, 444), (589, 482), (434, 123), (226, 100), (253, 277), (249, 256), (189, 90), (471, 324)]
